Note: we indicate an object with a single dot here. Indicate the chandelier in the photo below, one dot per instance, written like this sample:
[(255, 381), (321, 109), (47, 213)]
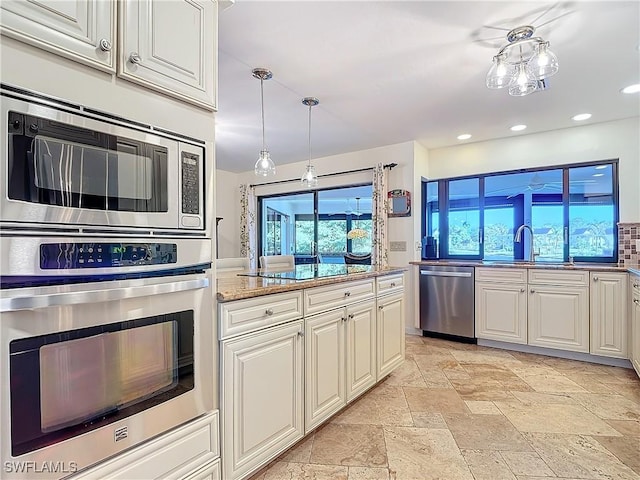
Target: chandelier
[(357, 232), (309, 177), (264, 165), (523, 64)]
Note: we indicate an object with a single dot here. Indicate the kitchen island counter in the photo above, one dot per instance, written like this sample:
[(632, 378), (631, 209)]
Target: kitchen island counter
[(237, 286)]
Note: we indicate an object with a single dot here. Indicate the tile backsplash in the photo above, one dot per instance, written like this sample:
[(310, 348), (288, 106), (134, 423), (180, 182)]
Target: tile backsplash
[(628, 235)]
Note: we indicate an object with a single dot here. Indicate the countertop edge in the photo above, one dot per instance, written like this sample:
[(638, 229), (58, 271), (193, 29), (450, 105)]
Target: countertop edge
[(578, 266), (281, 286)]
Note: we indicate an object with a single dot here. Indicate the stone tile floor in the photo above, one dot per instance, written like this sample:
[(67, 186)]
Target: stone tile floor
[(458, 411)]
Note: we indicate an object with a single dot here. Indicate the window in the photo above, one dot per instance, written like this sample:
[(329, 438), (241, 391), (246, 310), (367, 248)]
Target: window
[(314, 226), (573, 211)]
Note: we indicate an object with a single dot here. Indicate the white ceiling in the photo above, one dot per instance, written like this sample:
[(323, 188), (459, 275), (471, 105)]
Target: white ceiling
[(393, 71)]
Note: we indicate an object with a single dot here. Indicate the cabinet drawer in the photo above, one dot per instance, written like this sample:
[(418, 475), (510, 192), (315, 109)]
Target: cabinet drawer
[(558, 277), (171, 456), (244, 316), (320, 299), (503, 275), (390, 283), (211, 471)]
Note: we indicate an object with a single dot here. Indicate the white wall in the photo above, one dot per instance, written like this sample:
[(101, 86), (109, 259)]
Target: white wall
[(227, 194), (601, 141)]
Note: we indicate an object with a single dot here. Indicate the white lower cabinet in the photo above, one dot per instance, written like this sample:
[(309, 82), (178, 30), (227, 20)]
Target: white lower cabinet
[(609, 330), (390, 333), (325, 366), (634, 315), (188, 452), (501, 312), (559, 317), (262, 396), (340, 359)]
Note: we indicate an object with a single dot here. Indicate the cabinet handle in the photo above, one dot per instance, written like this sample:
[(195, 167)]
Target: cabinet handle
[(105, 45), (636, 301), (344, 319), (522, 290), (135, 58), (347, 294), (380, 307), (268, 311), (300, 333), (636, 285), (595, 278), (393, 284), (532, 291), (351, 315)]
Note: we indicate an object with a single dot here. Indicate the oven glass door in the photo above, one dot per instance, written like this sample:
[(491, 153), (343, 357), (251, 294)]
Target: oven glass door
[(64, 384), (91, 369)]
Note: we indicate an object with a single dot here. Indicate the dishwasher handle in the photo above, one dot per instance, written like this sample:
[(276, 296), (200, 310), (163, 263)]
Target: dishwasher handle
[(434, 273)]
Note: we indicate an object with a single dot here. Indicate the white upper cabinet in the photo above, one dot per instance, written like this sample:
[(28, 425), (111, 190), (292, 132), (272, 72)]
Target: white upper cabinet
[(82, 30), (170, 46)]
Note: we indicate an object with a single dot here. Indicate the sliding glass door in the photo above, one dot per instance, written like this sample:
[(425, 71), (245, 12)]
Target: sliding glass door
[(318, 226)]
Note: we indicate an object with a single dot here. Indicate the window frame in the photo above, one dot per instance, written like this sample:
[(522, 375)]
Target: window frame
[(443, 210)]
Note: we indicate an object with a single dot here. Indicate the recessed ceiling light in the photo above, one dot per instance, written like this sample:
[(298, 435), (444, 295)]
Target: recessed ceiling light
[(598, 175), (464, 136), (601, 167), (581, 116), (517, 128), (635, 88)]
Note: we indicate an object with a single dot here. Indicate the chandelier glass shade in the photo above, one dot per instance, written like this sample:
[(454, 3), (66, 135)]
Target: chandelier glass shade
[(264, 165), (309, 178), (523, 64), (356, 232)]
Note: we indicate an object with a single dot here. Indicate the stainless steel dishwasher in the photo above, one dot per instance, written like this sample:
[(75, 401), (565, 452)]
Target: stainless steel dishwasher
[(447, 300)]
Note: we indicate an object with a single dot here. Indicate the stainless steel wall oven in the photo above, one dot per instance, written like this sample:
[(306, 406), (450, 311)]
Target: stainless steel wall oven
[(107, 334)]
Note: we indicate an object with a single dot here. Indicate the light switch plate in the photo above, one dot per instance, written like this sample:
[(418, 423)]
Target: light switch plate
[(398, 246)]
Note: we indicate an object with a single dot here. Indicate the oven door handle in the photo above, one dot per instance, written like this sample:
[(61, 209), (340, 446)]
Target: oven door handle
[(14, 304)]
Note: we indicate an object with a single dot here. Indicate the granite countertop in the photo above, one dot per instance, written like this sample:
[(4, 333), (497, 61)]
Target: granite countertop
[(600, 267), (234, 286)]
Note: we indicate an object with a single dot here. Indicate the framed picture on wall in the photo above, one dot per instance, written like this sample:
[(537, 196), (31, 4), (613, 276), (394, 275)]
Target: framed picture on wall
[(399, 203)]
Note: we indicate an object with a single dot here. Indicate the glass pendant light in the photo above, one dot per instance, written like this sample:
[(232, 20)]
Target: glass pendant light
[(356, 232), (501, 74), (309, 177), (524, 85), (264, 165), (544, 63)]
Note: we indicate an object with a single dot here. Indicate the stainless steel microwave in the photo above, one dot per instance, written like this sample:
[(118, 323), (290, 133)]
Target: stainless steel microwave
[(69, 166)]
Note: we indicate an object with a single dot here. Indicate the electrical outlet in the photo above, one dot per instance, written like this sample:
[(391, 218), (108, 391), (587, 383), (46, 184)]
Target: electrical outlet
[(398, 246), (418, 246)]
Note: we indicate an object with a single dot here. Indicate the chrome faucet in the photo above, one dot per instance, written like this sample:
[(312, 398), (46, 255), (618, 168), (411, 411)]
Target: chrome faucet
[(532, 256)]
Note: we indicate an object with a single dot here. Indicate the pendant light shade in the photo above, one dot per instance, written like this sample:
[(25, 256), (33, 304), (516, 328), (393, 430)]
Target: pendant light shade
[(357, 232), (309, 178), (264, 165)]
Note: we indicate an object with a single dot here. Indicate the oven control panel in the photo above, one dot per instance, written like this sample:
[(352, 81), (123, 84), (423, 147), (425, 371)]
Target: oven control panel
[(63, 256)]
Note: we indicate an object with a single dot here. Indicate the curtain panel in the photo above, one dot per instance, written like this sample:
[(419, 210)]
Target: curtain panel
[(248, 233), (379, 216)]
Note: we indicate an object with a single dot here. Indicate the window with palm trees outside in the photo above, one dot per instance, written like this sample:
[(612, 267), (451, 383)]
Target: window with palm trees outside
[(572, 210)]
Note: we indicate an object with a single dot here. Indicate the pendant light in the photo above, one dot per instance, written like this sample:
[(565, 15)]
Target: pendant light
[(264, 165), (357, 232), (309, 177)]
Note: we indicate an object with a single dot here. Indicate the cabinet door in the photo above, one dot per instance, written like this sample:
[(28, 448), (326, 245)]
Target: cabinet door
[(501, 312), (361, 348), (170, 46), (390, 332), (635, 327), (559, 317), (262, 393), (324, 355), (609, 314), (82, 30)]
